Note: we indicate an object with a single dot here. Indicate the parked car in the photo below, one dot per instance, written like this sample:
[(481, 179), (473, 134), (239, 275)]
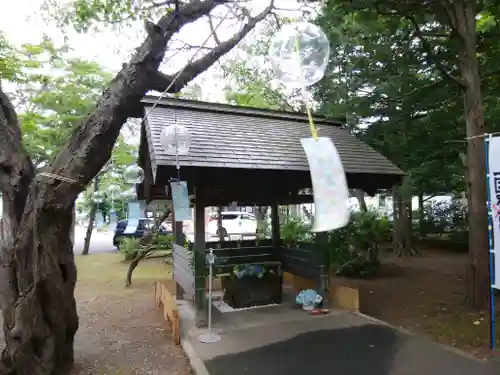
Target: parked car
[(233, 223), (165, 227), (144, 227)]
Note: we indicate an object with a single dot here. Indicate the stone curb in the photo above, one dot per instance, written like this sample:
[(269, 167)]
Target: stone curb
[(196, 362)]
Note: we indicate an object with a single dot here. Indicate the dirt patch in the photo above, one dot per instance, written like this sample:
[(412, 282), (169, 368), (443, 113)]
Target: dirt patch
[(425, 294), (121, 332)]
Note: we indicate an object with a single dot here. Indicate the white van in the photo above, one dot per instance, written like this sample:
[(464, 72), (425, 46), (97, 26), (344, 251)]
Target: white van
[(233, 223)]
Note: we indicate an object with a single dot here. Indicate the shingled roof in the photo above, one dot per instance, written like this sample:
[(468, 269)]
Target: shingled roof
[(227, 136)]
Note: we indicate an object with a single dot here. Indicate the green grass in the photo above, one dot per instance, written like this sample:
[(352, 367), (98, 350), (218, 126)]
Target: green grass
[(109, 271)]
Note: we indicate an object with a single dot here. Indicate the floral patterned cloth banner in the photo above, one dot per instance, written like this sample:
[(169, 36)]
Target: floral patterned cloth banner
[(493, 178), (331, 195)]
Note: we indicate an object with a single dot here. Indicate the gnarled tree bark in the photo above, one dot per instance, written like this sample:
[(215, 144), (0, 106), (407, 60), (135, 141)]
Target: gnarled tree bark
[(38, 269)]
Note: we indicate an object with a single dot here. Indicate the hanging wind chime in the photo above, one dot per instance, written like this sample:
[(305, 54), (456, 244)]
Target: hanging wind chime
[(98, 198), (176, 140), (299, 54), (113, 192), (134, 175)]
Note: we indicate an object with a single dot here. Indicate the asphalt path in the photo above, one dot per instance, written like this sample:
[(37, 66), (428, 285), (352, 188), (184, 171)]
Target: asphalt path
[(100, 242)]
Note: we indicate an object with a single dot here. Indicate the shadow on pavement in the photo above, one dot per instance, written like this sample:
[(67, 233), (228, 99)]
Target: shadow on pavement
[(363, 350)]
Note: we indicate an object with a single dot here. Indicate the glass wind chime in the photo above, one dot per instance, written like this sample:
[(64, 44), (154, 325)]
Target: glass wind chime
[(299, 54), (98, 197), (113, 192), (176, 140), (134, 175)]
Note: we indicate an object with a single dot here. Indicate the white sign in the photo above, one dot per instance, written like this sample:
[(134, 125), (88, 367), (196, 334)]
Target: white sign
[(494, 189), (331, 195)]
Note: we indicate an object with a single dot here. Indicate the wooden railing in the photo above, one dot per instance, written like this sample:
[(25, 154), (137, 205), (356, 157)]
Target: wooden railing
[(183, 269)]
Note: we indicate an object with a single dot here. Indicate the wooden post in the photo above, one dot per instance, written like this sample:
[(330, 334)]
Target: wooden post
[(323, 259), (200, 264), (179, 240), (275, 227)]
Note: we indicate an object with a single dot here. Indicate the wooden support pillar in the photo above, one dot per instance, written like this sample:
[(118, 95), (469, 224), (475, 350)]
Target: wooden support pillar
[(179, 240), (200, 264), (275, 228), (275, 225), (323, 260)]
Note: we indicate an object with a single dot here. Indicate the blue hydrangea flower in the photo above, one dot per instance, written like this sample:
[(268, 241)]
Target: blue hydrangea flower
[(308, 298)]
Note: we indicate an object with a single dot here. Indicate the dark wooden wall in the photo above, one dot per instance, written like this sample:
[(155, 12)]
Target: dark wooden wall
[(305, 261)]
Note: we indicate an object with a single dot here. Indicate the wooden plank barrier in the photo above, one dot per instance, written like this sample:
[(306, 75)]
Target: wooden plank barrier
[(164, 294), (344, 297)]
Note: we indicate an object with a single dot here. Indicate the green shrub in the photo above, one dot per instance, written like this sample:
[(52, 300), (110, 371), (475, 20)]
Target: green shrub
[(369, 228), (294, 230), (129, 246), (444, 218), (162, 242), (353, 249), (359, 267)]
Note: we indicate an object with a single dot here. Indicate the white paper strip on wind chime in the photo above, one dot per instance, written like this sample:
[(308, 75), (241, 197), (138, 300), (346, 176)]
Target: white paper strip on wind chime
[(180, 200), (134, 214), (99, 218), (494, 182), (331, 195)]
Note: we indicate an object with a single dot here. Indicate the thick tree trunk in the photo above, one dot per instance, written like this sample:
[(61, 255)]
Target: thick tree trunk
[(221, 231), (402, 238), (38, 306), (261, 217), (90, 226), (135, 262), (477, 291), (360, 196), (421, 215)]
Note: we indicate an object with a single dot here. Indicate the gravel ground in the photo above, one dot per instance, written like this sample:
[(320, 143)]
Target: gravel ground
[(125, 336), (121, 332)]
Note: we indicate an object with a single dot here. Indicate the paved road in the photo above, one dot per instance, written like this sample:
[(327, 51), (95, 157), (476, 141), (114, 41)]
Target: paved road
[(340, 344), (100, 242)]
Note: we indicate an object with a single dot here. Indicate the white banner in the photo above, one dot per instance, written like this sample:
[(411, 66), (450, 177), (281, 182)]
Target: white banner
[(331, 195), (494, 189)]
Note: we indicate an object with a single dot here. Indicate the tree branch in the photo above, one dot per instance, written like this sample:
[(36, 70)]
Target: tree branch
[(160, 82), (212, 29), (430, 55), (431, 58), (16, 169), (91, 143)]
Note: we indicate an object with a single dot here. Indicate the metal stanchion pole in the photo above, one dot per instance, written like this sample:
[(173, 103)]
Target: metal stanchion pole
[(210, 337)]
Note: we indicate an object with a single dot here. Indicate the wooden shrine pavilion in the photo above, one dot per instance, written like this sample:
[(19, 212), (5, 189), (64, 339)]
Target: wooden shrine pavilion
[(254, 157)]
